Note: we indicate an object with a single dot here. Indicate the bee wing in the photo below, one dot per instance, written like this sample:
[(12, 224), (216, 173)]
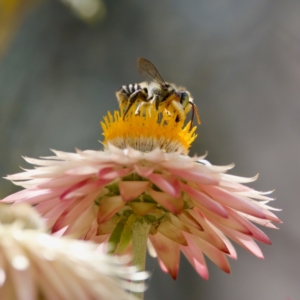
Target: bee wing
[(148, 70)]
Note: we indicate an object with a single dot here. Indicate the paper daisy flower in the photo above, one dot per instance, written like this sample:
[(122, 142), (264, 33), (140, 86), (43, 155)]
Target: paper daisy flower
[(35, 265), (143, 183)]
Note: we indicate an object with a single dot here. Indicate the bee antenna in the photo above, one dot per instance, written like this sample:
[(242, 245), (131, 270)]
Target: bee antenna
[(194, 109)]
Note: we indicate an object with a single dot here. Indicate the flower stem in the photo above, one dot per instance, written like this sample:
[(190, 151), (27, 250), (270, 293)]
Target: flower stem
[(140, 231)]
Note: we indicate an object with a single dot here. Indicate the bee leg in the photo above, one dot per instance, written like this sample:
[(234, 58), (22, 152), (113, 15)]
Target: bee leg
[(154, 99), (179, 110), (132, 99)]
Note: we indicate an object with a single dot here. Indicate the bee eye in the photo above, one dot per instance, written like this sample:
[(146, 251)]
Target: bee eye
[(184, 99)]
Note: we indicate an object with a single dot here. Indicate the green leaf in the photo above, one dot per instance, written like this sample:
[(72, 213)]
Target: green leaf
[(115, 237), (126, 234)]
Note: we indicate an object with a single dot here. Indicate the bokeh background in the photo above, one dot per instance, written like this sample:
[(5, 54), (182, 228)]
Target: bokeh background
[(59, 70)]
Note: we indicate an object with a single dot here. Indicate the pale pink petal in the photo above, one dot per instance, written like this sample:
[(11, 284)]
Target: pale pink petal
[(230, 221), (67, 156), (205, 201), (52, 215), (155, 156), (214, 254), (241, 239), (168, 252), (173, 164), (194, 175), (88, 169), (110, 174), (239, 179), (171, 232), (132, 189), (168, 184), (255, 232), (45, 206), (210, 237), (84, 188), (233, 201), (262, 222), (196, 259), (170, 203), (74, 187), (162, 266), (176, 222), (74, 211), (108, 207), (61, 181), (219, 169), (270, 216), (255, 195), (144, 171), (33, 196), (232, 252), (81, 225), (40, 162), (233, 186)]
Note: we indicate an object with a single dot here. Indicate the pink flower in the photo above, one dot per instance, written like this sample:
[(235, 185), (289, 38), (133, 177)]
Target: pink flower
[(144, 173), (35, 265)]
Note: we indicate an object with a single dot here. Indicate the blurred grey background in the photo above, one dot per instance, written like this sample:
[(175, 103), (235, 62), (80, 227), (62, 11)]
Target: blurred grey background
[(240, 60)]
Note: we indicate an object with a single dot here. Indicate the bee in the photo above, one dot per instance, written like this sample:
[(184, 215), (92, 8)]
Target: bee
[(132, 93), (157, 92)]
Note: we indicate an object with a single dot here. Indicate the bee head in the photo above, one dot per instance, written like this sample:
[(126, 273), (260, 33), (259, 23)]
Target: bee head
[(184, 98)]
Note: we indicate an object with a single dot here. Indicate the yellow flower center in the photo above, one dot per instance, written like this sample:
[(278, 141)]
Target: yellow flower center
[(148, 130)]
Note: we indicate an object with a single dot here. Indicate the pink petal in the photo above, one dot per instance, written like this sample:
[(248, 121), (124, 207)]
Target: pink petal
[(265, 223), (209, 236), (74, 211), (84, 189), (176, 222), (195, 213), (132, 189), (65, 180), (254, 231), (233, 186), (111, 174), (45, 206), (218, 257), (109, 206), (232, 252), (230, 221), (33, 196), (241, 239), (168, 252), (156, 155), (171, 232), (197, 260), (52, 215), (233, 201), (168, 184), (270, 216), (88, 169), (143, 171), (205, 201), (175, 205), (82, 223), (74, 187), (194, 175)]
